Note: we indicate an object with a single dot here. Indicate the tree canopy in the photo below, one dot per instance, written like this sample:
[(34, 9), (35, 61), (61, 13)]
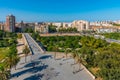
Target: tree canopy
[(93, 53)]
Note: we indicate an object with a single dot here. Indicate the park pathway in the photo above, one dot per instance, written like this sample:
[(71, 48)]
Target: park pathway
[(44, 67)]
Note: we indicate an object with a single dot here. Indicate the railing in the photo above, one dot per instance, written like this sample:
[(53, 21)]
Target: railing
[(26, 43), (37, 45)]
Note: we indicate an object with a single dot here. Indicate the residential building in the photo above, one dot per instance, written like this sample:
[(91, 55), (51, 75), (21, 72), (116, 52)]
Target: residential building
[(67, 25), (22, 26), (106, 30), (19, 26), (117, 22), (101, 23), (10, 23), (41, 27), (57, 24), (25, 26), (81, 25), (2, 26)]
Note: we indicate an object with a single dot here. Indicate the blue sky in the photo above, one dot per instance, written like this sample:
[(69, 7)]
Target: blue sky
[(60, 10)]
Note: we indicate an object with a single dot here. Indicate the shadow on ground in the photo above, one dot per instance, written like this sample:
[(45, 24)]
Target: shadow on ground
[(20, 44), (33, 63), (45, 57), (32, 70), (35, 77)]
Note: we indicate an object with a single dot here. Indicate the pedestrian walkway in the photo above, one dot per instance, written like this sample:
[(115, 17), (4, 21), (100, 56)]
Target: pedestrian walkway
[(45, 67)]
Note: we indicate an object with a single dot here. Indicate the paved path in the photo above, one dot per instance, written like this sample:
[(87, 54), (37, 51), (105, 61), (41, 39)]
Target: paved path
[(44, 67), (107, 39), (61, 34)]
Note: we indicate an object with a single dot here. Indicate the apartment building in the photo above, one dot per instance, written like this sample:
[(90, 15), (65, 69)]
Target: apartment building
[(2, 26), (10, 23), (81, 25), (67, 25), (101, 23), (41, 27)]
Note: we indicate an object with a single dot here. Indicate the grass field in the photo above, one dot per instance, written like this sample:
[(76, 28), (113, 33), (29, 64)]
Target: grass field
[(3, 52)]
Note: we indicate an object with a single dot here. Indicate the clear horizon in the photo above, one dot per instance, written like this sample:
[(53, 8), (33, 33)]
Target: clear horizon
[(60, 10)]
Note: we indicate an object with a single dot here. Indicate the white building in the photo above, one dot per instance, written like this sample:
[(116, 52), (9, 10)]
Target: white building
[(101, 23), (117, 22), (81, 25), (67, 25), (57, 24), (2, 26), (106, 30)]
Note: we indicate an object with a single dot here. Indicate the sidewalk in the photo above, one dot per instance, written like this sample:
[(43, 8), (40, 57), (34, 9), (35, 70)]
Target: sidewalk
[(20, 47)]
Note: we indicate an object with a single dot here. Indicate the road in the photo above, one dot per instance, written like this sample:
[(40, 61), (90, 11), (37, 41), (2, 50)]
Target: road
[(112, 40), (78, 34), (44, 67), (61, 34), (107, 39)]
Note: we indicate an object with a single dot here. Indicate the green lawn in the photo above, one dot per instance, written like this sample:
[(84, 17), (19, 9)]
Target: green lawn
[(3, 52)]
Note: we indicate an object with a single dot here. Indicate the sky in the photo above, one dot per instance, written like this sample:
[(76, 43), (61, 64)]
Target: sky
[(60, 10)]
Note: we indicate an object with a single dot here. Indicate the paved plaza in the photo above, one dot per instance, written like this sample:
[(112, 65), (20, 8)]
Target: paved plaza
[(44, 67)]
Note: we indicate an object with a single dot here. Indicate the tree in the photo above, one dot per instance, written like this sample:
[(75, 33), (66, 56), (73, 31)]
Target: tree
[(1, 33), (4, 73), (69, 30), (12, 58), (16, 60), (36, 36), (52, 28), (26, 52), (74, 54), (79, 59), (19, 36), (11, 41), (102, 58), (29, 30), (55, 48), (67, 50)]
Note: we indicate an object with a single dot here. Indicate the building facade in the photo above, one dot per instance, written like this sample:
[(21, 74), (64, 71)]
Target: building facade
[(41, 28), (10, 23), (101, 23), (25, 25), (2, 26), (81, 25), (57, 24), (67, 25)]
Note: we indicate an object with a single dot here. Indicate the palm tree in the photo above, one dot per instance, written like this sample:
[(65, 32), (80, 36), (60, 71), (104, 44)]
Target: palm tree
[(79, 59), (74, 55), (15, 61), (26, 51), (56, 48), (8, 61), (67, 50), (81, 55), (11, 59), (4, 73)]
